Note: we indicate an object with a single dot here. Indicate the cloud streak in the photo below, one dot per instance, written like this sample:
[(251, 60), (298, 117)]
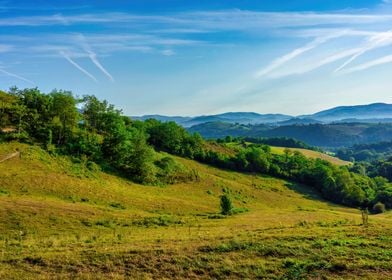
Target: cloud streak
[(374, 42), (94, 59), (16, 76), (63, 54), (299, 51), (93, 56), (370, 64), (318, 64), (205, 20)]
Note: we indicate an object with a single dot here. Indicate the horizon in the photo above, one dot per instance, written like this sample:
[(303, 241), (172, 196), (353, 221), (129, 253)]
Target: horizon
[(262, 113), (189, 59)]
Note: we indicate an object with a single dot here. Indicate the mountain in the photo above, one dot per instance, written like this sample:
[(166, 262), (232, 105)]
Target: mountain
[(230, 117), (239, 117), (358, 112), (299, 121), (372, 113), (177, 119)]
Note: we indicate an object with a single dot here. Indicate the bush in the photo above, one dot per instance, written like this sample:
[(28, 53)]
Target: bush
[(226, 205), (379, 208)]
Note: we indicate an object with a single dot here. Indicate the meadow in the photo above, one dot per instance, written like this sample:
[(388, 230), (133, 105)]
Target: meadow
[(63, 220), (311, 154)]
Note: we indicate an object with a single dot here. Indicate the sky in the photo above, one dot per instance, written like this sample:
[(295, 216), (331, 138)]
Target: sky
[(204, 57)]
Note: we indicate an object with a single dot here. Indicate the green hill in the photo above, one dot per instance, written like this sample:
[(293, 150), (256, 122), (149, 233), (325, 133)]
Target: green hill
[(63, 219), (321, 135)]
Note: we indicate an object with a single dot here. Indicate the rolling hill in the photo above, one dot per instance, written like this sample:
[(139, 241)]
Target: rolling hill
[(321, 135), (63, 219)]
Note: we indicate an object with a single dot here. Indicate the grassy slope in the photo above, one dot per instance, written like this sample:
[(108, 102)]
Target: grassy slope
[(60, 219), (312, 154)]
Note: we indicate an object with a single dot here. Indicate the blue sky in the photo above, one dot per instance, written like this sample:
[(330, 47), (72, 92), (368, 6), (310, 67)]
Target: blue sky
[(202, 57)]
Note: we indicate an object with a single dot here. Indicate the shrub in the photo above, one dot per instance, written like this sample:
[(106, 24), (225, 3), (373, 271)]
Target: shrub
[(379, 208), (226, 205)]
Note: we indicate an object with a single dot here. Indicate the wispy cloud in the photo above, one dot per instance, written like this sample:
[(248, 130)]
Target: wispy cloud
[(297, 52), (168, 52), (165, 34), (207, 20), (317, 64), (93, 56), (287, 57), (370, 64), (80, 68), (376, 41), (94, 59), (5, 48), (16, 76)]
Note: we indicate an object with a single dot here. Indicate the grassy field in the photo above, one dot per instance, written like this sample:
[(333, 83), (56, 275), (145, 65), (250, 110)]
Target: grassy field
[(61, 220), (311, 154)]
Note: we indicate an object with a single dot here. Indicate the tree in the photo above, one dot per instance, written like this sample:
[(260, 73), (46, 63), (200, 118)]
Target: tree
[(64, 115), (95, 113)]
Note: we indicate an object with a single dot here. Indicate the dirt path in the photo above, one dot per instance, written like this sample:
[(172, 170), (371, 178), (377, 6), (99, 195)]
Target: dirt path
[(9, 156)]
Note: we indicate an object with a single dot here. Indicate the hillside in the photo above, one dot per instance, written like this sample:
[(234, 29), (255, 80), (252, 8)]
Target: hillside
[(311, 154), (60, 219)]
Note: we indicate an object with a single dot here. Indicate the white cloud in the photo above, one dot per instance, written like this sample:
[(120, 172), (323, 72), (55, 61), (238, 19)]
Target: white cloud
[(168, 52), (16, 76), (80, 68), (93, 57), (370, 64), (374, 42), (306, 69), (207, 20), (299, 51)]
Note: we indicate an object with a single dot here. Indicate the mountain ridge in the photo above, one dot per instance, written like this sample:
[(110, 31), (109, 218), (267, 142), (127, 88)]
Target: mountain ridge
[(373, 112)]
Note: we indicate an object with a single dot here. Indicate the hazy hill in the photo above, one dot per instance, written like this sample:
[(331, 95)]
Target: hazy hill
[(231, 117), (299, 121), (238, 118), (372, 113), (359, 112), (177, 119)]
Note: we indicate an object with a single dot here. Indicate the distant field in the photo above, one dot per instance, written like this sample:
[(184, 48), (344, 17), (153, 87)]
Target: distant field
[(312, 154), (61, 220)]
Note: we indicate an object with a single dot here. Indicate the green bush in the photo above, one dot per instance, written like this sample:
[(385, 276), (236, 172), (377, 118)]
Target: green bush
[(379, 208), (226, 205)]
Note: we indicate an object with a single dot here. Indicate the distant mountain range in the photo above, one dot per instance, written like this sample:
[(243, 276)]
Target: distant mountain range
[(371, 113), (359, 112), (231, 117)]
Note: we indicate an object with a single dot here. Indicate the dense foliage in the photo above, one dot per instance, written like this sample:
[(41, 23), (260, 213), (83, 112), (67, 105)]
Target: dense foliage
[(101, 134), (366, 152), (370, 159)]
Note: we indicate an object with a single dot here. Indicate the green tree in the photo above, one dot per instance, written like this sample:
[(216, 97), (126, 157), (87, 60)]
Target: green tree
[(65, 115)]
